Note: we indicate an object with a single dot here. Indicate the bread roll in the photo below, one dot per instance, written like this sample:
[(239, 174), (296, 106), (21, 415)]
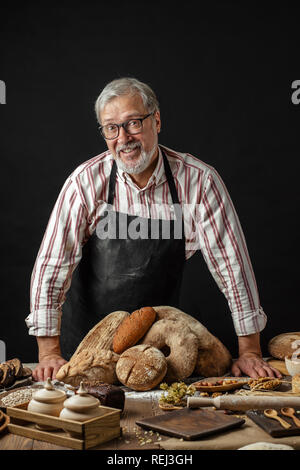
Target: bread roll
[(141, 367), (280, 345), (133, 328)]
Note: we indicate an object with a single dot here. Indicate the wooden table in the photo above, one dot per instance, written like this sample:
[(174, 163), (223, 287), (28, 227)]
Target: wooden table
[(137, 406)]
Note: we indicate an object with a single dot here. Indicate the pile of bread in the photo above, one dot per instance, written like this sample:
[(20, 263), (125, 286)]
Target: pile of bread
[(11, 371), (144, 348)]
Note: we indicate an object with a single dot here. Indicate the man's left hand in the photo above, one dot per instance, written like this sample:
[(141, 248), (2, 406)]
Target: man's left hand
[(254, 366)]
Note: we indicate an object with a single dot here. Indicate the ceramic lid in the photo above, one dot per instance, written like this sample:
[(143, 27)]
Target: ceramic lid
[(81, 401), (49, 394)]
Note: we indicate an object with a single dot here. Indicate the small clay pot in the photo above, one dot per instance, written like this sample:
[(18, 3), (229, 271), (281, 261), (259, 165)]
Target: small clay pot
[(47, 401), (80, 407)]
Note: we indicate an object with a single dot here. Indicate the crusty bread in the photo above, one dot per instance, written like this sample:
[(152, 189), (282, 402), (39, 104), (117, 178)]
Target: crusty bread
[(101, 335), (182, 344), (133, 328), (141, 367), (213, 359), (90, 365), (280, 345), (94, 358)]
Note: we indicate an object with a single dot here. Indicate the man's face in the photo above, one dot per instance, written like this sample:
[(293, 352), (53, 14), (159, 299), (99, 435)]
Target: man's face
[(133, 153)]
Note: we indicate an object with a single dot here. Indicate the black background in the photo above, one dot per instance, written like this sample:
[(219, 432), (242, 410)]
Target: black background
[(223, 75)]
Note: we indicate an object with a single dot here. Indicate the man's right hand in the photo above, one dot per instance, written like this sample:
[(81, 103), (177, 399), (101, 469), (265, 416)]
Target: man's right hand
[(50, 359), (48, 367)]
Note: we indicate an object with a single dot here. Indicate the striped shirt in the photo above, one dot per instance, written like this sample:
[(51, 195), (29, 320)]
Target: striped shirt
[(210, 224)]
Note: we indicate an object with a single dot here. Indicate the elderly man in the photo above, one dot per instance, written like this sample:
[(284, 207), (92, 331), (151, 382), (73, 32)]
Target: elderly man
[(109, 223)]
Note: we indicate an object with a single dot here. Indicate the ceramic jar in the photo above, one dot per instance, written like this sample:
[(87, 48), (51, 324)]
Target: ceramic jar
[(48, 401), (81, 407), (292, 364)]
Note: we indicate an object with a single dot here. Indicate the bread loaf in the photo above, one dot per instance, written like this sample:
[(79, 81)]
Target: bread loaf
[(182, 347), (7, 375), (213, 359), (133, 328), (107, 394), (141, 367), (101, 335), (90, 365), (281, 345), (12, 370)]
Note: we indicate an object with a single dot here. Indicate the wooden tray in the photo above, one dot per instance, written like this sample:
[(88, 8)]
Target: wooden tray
[(84, 434), (220, 388), (272, 426), (191, 424)]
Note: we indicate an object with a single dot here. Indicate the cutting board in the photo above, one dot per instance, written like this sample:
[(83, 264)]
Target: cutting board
[(191, 424), (272, 426)]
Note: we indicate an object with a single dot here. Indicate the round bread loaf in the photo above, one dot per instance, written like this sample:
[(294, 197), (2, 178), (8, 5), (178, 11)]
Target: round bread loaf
[(214, 359), (141, 367), (281, 345), (181, 344), (133, 328)]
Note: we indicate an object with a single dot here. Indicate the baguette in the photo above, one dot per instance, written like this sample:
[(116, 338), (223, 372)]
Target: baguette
[(133, 328)]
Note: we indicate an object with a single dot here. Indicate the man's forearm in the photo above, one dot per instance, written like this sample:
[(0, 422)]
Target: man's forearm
[(249, 344), (48, 346), (50, 359)]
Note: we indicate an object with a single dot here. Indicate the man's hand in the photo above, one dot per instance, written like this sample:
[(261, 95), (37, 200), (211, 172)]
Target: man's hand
[(50, 359), (254, 366), (250, 361), (48, 367)]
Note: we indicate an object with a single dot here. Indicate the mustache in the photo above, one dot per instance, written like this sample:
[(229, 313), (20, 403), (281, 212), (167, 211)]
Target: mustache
[(128, 146)]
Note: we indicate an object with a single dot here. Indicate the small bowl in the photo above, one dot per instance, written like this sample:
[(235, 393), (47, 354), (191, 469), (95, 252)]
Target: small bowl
[(293, 367)]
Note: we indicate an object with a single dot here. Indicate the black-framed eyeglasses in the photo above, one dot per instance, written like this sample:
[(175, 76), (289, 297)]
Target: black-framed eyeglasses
[(132, 126)]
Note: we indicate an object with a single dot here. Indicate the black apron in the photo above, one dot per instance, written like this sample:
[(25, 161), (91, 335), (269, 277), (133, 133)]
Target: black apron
[(123, 273)]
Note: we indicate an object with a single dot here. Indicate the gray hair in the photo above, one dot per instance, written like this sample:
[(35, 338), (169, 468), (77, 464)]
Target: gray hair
[(124, 86)]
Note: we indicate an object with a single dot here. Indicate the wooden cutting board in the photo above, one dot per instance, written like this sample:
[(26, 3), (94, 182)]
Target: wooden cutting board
[(272, 426), (191, 424)]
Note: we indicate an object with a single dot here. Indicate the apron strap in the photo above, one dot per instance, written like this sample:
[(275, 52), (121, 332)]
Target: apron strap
[(171, 183), (112, 184), (170, 179)]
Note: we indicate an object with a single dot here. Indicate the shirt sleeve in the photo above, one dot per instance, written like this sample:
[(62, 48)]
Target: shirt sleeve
[(223, 246), (58, 256)]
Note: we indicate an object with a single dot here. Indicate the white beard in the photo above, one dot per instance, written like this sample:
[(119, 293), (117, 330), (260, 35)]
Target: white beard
[(141, 164)]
